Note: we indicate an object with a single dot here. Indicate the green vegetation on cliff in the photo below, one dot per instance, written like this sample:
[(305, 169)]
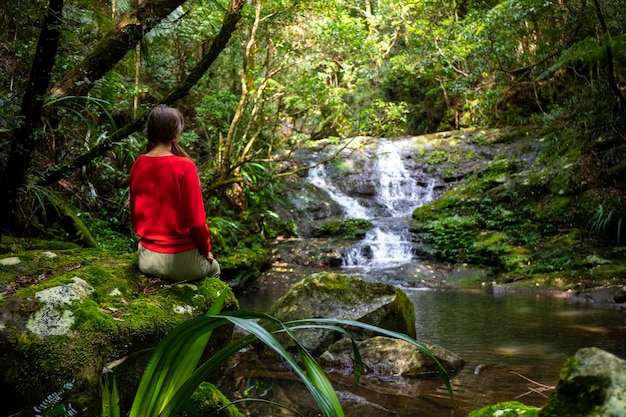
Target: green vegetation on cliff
[(524, 216)]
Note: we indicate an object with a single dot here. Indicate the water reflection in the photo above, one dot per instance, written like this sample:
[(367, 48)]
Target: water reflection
[(514, 329)]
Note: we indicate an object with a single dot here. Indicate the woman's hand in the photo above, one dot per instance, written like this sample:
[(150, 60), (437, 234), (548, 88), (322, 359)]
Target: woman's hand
[(210, 257)]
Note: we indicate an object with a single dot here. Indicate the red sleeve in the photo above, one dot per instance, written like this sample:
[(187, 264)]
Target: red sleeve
[(132, 197), (194, 210)]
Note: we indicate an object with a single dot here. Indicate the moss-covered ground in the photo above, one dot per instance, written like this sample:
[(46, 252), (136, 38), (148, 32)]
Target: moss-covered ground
[(123, 313)]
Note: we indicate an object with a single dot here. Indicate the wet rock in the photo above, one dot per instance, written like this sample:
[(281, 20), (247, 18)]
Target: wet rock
[(591, 384), (328, 295), (387, 357), (620, 295)]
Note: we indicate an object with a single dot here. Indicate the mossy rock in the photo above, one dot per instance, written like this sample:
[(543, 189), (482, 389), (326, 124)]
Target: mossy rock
[(591, 384), (506, 409), (207, 399), (343, 229), (65, 314), (563, 184), (245, 265), (336, 296), (608, 273)]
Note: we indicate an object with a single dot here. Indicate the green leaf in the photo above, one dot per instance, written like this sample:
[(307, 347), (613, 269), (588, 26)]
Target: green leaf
[(110, 396), (390, 333), (173, 361)]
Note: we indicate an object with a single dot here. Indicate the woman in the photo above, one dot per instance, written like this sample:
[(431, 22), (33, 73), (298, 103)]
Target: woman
[(166, 205)]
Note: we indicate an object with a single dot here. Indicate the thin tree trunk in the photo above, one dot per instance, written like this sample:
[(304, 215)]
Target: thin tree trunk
[(609, 56), (229, 25), (25, 139), (137, 68), (225, 160)]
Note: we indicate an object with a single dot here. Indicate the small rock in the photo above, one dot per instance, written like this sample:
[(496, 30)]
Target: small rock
[(620, 295), (65, 294), (13, 260), (387, 357)]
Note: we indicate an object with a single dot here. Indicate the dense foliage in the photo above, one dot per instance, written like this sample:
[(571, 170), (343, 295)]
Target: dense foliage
[(257, 80)]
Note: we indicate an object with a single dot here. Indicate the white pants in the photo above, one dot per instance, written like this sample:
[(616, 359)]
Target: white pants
[(183, 266)]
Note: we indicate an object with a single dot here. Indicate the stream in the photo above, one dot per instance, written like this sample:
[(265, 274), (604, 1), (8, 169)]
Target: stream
[(514, 344)]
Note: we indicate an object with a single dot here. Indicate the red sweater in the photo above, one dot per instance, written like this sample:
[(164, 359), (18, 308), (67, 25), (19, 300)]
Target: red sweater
[(166, 205)]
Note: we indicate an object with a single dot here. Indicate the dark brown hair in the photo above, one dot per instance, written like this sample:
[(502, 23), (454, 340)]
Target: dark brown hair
[(165, 125)]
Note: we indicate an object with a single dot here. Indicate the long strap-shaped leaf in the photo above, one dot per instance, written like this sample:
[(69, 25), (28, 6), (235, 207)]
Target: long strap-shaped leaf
[(358, 361), (169, 397), (320, 388), (173, 360), (397, 335)]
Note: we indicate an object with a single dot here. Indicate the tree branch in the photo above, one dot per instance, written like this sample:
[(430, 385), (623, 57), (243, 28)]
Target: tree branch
[(129, 30), (219, 43)]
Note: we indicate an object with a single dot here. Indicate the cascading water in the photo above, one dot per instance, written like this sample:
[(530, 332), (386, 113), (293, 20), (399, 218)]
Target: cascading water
[(397, 194), (351, 207)]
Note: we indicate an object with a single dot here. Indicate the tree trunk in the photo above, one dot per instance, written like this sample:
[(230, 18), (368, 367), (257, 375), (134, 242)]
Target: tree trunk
[(25, 139), (128, 31), (609, 56)]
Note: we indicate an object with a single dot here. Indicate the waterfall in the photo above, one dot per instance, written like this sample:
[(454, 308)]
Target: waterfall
[(398, 191), (351, 207)]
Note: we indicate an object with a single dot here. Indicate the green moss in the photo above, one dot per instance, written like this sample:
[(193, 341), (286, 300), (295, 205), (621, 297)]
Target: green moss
[(437, 157), (608, 273), (506, 409), (351, 291), (516, 258), (125, 313), (73, 223), (575, 396), (471, 282), (90, 317), (246, 263), (344, 229), (10, 244), (329, 282), (562, 184), (554, 208), (96, 275), (452, 237), (210, 401), (569, 367)]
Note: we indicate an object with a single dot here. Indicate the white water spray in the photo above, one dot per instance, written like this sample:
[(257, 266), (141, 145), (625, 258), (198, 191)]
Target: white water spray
[(389, 242)]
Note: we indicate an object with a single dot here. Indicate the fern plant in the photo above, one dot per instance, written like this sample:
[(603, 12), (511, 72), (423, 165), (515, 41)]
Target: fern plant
[(603, 219), (52, 405)]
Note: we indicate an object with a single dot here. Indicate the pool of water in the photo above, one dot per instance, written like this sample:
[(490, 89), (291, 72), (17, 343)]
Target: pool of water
[(514, 345)]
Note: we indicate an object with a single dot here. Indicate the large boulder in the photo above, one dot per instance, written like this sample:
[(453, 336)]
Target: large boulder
[(591, 384), (336, 296), (66, 312)]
